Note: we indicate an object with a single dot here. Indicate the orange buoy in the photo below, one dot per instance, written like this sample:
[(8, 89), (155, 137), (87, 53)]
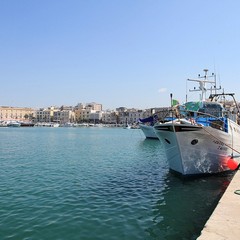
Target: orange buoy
[(232, 164)]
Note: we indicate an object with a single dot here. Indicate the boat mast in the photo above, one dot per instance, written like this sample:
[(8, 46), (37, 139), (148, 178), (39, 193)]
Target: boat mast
[(202, 80)]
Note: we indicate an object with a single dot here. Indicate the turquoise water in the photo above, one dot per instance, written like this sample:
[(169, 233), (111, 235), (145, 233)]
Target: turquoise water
[(96, 183)]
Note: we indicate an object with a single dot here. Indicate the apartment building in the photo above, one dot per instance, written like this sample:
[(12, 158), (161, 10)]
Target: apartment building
[(45, 114), (64, 115), (16, 113), (88, 112), (110, 116), (131, 115)]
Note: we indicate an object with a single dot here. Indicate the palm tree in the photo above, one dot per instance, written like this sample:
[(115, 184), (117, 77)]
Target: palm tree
[(26, 116)]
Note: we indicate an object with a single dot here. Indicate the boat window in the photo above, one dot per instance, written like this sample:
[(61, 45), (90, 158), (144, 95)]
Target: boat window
[(214, 109), (218, 124)]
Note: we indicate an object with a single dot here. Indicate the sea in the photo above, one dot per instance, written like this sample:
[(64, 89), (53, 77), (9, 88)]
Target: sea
[(97, 183)]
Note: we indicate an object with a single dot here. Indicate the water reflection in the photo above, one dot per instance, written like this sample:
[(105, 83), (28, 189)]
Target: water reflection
[(185, 206)]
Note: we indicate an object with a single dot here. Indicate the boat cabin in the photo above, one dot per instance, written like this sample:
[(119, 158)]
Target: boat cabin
[(196, 109), (205, 113)]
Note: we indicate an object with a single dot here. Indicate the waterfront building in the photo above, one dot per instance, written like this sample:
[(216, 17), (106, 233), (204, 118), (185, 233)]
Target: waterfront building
[(130, 116), (109, 117), (161, 112), (134, 115), (121, 109), (16, 113), (89, 106), (95, 116), (46, 114), (88, 112), (64, 116)]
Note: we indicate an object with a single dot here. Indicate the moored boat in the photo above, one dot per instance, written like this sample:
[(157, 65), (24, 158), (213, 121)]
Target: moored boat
[(204, 135), (146, 125), (13, 124), (26, 124), (3, 124)]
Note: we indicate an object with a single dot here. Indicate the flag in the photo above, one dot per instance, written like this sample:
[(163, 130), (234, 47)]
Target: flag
[(175, 102)]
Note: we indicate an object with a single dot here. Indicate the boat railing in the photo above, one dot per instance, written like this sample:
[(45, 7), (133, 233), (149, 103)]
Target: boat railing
[(205, 119)]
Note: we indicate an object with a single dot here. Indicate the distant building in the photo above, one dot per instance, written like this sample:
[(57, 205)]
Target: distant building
[(135, 114), (121, 109), (16, 113), (89, 112), (65, 114), (45, 114), (94, 106), (109, 117), (62, 115), (95, 116), (132, 115)]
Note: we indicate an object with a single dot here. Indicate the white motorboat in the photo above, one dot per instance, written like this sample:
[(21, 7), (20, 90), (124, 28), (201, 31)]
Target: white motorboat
[(146, 125), (3, 124), (13, 124), (55, 125), (203, 137), (148, 131)]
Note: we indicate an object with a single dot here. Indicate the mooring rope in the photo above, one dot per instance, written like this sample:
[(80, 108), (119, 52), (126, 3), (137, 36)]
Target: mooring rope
[(221, 141)]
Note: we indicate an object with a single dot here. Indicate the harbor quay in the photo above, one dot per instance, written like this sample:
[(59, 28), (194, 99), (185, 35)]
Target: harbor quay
[(224, 223)]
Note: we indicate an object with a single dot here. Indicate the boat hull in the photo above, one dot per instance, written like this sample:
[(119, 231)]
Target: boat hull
[(148, 131), (192, 149), (13, 124)]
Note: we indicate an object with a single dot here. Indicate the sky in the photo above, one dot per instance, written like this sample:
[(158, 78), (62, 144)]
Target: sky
[(120, 53)]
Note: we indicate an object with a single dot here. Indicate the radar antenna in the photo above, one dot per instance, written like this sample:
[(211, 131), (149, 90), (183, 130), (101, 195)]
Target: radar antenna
[(203, 80)]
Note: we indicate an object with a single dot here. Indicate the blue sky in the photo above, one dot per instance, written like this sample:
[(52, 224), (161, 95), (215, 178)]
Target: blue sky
[(130, 53)]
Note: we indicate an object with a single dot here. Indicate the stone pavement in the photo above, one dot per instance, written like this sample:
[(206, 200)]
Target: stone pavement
[(224, 223)]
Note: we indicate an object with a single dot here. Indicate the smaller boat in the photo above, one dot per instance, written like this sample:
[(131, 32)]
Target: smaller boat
[(26, 124), (127, 125), (146, 125), (55, 125), (68, 124), (13, 124), (3, 124)]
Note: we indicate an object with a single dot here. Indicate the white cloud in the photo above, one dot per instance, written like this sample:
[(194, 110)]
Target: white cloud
[(162, 90)]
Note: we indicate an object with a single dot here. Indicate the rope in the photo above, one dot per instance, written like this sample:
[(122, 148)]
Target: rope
[(221, 141)]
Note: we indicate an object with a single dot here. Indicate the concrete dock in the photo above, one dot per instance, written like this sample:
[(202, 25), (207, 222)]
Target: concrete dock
[(224, 223)]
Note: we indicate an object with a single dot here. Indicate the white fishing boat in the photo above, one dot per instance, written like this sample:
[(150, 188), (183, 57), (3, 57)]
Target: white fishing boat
[(203, 136), (146, 125)]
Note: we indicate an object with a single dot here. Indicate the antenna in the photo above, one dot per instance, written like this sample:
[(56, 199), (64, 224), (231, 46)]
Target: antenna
[(203, 80), (186, 90), (205, 70)]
